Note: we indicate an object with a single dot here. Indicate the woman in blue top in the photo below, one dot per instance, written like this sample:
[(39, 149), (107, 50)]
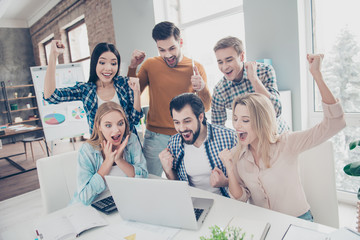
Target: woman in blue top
[(104, 84), (111, 150)]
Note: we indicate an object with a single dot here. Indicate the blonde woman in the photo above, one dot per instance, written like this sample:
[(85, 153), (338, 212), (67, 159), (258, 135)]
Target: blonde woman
[(263, 167), (111, 150)]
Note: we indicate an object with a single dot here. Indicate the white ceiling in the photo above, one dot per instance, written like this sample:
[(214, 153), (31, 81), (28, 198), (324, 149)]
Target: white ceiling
[(23, 13)]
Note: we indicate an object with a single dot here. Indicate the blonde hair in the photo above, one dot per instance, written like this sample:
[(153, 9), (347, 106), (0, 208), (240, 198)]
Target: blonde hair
[(263, 123), (97, 137)]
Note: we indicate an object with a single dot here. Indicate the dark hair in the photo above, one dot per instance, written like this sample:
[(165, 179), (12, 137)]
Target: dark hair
[(98, 50), (164, 30), (180, 101), (233, 42)]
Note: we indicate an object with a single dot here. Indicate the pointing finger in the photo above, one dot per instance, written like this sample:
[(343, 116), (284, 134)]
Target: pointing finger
[(196, 70)]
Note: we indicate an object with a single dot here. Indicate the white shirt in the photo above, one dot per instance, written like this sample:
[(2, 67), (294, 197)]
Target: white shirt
[(114, 171), (198, 168), (115, 99)]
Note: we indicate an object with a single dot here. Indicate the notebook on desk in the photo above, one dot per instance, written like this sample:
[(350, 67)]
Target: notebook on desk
[(160, 202)]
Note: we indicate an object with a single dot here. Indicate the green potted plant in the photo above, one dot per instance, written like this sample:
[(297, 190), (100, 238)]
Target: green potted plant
[(229, 233), (353, 169)]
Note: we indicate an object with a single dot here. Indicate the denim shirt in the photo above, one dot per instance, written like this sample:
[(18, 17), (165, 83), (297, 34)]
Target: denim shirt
[(89, 183)]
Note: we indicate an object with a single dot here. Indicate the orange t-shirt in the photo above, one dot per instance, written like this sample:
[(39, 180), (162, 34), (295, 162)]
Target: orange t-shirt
[(165, 83)]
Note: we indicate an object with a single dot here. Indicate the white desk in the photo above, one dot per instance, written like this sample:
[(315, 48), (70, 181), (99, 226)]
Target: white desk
[(18, 214)]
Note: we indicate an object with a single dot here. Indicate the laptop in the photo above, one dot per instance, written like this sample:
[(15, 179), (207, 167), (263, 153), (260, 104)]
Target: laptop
[(160, 202)]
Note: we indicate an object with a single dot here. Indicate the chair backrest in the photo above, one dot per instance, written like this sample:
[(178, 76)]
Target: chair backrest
[(317, 173), (57, 178)]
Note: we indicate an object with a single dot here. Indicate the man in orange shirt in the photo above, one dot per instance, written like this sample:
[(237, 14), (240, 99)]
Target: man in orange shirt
[(167, 76)]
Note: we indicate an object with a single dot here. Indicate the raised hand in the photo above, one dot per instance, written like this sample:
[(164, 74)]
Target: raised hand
[(218, 178), (251, 68), (57, 47), (119, 155), (166, 160), (315, 61), (134, 83), (197, 82), (107, 149), (137, 58), (226, 158)]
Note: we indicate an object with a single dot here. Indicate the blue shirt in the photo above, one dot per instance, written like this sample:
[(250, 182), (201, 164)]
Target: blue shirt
[(89, 183), (86, 92), (226, 91), (218, 138)]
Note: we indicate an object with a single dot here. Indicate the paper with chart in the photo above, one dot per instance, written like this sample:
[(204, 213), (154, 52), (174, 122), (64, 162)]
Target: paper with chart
[(67, 119), (129, 230), (299, 233), (71, 224)]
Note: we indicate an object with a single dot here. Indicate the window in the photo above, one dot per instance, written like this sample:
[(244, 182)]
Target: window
[(335, 32), (198, 21), (79, 45), (47, 46)]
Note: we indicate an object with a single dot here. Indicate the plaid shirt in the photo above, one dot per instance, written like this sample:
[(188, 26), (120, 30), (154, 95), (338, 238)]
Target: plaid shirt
[(225, 92), (86, 92), (218, 138)]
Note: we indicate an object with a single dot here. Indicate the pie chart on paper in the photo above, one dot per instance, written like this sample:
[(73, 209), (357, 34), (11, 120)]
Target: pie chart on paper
[(78, 113), (54, 118), (131, 237)]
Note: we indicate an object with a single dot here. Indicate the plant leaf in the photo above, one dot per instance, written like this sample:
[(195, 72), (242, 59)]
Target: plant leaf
[(353, 145), (352, 169)]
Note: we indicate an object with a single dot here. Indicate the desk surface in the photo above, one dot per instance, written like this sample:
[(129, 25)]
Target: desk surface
[(19, 213), (9, 132)]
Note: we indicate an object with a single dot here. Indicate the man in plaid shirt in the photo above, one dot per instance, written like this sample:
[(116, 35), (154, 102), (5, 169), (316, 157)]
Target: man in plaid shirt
[(192, 154), (240, 78)]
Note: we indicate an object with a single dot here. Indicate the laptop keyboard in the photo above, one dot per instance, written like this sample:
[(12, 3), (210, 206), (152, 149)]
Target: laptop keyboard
[(198, 212), (106, 205)]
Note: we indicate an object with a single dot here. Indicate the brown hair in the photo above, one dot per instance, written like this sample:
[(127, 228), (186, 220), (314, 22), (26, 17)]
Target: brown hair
[(97, 137), (230, 42)]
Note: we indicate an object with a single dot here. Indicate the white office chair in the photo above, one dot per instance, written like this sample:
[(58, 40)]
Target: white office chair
[(317, 174), (57, 178)]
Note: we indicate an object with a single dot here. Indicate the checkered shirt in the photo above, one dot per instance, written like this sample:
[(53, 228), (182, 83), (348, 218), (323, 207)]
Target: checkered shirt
[(218, 138), (225, 92), (86, 92)]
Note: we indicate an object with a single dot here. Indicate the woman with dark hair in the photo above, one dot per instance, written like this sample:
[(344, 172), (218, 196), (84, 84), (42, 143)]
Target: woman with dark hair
[(111, 150), (103, 85)]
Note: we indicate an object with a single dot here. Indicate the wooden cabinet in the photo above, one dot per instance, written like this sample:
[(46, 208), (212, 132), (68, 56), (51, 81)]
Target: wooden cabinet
[(20, 104)]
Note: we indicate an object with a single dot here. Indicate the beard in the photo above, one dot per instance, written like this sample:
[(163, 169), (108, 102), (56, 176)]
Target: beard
[(176, 61), (195, 135)]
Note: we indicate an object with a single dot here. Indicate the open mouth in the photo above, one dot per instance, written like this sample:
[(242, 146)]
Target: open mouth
[(229, 72), (171, 61), (107, 75), (116, 138), (186, 135), (242, 135)]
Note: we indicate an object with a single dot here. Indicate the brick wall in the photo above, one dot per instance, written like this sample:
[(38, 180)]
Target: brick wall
[(98, 19)]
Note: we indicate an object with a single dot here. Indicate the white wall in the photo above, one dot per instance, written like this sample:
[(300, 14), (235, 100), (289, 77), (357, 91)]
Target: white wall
[(133, 24), (272, 31)]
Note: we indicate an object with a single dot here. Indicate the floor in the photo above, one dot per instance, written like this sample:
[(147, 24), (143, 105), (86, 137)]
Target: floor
[(27, 182)]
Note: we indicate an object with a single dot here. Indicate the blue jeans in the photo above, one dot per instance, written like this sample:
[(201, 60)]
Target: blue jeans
[(154, 143), (307, 216)]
